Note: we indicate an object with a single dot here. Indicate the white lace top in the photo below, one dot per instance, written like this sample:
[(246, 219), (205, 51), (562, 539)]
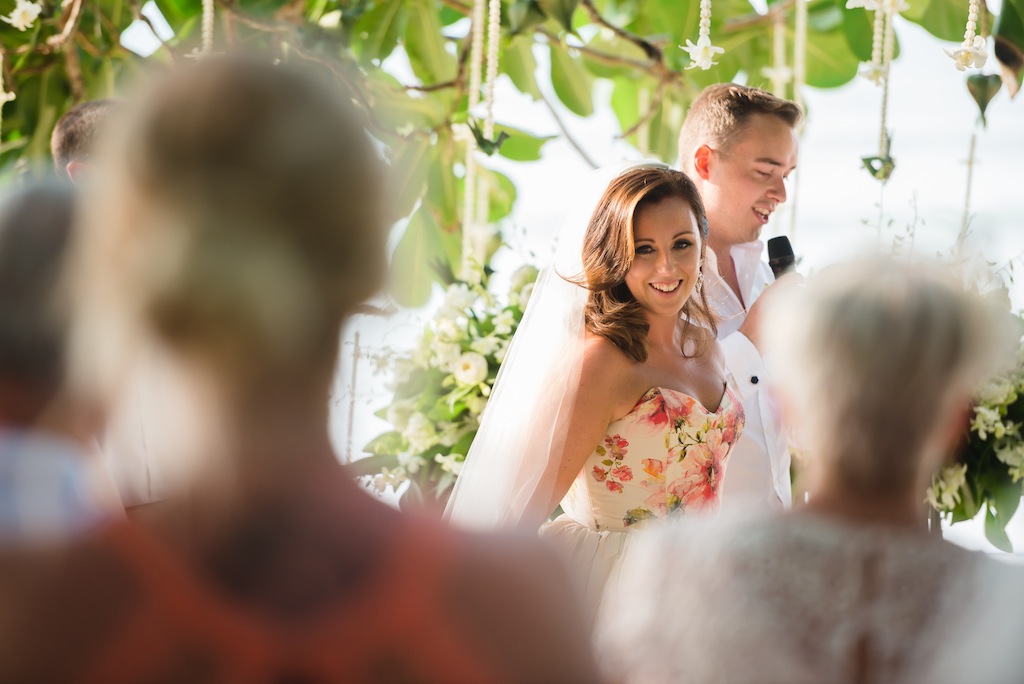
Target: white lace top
[(786, 598)]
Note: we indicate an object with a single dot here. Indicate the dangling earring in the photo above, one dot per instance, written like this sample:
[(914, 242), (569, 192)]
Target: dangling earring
[(700, 276)]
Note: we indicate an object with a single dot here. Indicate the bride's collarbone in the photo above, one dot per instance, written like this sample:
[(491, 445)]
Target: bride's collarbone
[(697, 377)]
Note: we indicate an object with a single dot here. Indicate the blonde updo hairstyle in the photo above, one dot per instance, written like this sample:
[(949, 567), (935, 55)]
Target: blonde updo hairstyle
[(608, 252), (236, 217), (876, 357)]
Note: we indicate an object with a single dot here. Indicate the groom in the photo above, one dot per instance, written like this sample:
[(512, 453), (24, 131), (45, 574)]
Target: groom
[(739, 146)]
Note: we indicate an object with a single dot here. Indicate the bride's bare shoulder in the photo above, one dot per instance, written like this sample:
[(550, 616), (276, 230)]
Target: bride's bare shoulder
[(601, 357)]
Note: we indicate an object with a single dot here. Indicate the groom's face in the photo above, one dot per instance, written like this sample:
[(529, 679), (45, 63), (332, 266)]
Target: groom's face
[(746, 181)]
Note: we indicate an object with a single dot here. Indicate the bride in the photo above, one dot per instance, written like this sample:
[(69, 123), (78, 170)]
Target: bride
[(612, 398)]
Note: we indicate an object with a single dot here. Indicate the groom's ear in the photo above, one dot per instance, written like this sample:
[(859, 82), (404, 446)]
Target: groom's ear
[(702, 161)]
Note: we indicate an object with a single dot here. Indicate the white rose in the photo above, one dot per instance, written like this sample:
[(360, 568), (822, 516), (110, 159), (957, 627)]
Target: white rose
[(471, 369), (998, 391)]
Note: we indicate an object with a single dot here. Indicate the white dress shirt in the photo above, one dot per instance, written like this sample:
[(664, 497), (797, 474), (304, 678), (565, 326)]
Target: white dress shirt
[(758, 470)]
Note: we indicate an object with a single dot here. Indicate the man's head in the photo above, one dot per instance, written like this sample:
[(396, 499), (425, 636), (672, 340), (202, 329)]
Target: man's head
[(75, 135), (739, 145), (35, 227)]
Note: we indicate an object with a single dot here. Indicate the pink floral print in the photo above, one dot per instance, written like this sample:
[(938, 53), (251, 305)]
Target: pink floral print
[(667, 456)]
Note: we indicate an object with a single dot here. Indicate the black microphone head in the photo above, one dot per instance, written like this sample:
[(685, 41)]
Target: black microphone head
[(780, 247), (780, 255)]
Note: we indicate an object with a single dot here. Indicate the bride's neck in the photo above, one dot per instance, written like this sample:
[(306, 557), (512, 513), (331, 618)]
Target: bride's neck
[(664, 332)]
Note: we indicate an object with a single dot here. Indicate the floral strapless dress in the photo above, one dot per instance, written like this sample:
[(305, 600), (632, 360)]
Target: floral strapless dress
[(666, 457)]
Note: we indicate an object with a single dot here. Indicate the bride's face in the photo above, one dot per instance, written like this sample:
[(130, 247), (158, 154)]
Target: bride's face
[(666, 258)]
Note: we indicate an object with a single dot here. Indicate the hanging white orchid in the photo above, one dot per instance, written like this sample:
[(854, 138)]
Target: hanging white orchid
[(973, 55), (23, 15), (971, 52), (703, 53)]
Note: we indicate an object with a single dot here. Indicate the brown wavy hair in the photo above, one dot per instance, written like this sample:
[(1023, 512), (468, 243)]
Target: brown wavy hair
[(608, 250)]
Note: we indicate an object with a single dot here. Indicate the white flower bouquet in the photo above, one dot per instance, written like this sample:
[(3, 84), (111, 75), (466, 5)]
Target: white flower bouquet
[(989, 472), (441, 387)]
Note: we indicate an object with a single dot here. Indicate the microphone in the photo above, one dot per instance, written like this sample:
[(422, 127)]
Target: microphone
[(780, 256)]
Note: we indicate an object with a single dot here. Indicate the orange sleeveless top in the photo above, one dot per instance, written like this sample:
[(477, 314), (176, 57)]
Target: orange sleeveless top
[(178, 628)]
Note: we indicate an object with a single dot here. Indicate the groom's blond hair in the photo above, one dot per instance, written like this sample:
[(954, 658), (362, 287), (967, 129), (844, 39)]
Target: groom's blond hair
[(720, 114)]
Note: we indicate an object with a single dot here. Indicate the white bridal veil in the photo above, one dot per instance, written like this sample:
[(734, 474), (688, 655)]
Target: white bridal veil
[(509, 473)]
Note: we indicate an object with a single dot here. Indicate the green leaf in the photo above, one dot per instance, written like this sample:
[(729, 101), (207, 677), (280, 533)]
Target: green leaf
[(442, 196), (411, 273), (983, 88), (524, 14), (387, 444), (610, 45), (371, 465), (824, 18), (502, 195), (830, 61), (1009, 44), (394, 107), (626, 104), (560, 10), (425, 45), (678, 20), (859, 32), (465, 442), (407, 177), (379, 29), (995, 531), (520, 145), (943, 19), (518, 62), (572, 83)]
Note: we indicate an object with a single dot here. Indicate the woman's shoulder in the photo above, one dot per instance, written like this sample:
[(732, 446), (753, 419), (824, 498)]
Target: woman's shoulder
[(604, 362)]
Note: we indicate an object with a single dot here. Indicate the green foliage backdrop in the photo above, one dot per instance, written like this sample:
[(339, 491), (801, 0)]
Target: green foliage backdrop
[(73, 52)]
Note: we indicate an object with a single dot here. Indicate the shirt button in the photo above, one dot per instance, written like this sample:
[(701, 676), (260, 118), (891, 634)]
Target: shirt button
[(754, 380)]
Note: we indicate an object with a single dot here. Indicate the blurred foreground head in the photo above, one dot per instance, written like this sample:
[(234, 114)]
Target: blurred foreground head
[(236, 221), (878, 360), (35, 227)]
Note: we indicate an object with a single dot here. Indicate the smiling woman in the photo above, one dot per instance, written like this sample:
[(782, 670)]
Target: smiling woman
[(618, 429)]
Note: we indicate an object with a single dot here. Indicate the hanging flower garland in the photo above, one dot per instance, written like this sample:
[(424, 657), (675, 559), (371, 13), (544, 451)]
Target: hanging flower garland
[(703, 53), (208, 23), (971, 52), (779, 72), (883, 45), (475, 194)]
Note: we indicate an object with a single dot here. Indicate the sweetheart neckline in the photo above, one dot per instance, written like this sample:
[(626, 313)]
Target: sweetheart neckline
[(705, 409)]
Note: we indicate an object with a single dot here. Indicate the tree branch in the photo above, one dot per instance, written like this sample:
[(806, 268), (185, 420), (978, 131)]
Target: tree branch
[(659, 95), (653, 52), (566, 134), (74, 15), (747, 20)]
